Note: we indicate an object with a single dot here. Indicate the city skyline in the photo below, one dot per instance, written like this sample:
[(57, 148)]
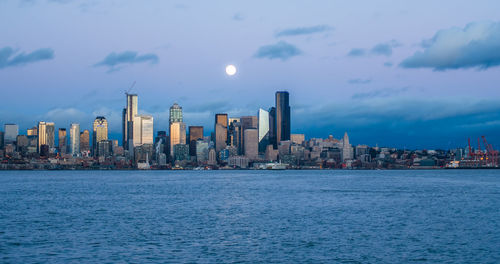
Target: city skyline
[(350, 67)]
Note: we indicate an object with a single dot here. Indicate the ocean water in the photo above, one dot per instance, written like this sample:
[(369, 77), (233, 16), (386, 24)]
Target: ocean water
[(440, 216)]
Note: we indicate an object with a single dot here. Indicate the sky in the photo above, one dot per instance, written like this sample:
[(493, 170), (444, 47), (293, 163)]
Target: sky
[(408, 74)]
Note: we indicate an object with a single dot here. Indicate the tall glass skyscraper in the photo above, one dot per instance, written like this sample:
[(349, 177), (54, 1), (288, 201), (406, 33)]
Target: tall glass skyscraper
[(195, 133), (128, 118), (46, 134), (62, 140), (263, 129), (282, 116), (221, 122), (143, 130), (175, 113), (74, 139), (10, 133)]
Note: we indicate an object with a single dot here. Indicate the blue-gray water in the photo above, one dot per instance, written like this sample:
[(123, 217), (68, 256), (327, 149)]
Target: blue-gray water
[(250, 216)]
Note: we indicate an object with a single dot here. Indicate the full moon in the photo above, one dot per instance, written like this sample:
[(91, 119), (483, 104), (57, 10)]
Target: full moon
[(230, 70)]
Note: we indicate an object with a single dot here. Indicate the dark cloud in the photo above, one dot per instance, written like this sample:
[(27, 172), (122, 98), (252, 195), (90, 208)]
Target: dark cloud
[(303, 31), (357, 52), (8, 57), (281, 50), (477, 45), (382, 49), (115, 60), (380, 93), (359, 81)]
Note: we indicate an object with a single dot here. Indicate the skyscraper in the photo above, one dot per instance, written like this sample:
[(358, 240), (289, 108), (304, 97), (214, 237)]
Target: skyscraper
[(263, 129), (195, 133), (246, 122), (175, 113), (143, 130), (62, 140), (74, 139), (32, 131), (346, 148), (177, 135), (128, 118), (10, 133), (46, 134), (251, 143), (220, 132), (272, 127), (85, 141), (282, 116), (100, 132)]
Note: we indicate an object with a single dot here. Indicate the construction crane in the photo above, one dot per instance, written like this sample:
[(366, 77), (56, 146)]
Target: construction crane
[(129, 89), (491, 154)]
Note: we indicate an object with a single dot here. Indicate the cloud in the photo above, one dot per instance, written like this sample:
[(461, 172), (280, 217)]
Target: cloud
[(356, 52), (114, 60), (281, 50), (238, 17), (380, 93), (475, 46), (388, 64), (303, 31), (359, 81), (8, 57), (384, 49)]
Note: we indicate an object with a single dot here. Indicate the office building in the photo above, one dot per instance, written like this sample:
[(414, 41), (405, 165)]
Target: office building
[(1, 140), (32, 131), (177, 135), (85, 141), (10, 133), (251, 143), (46, 134), (62, 144), (129, 112), (272, 127), (143, 130), (263, 129), (221, 122), (298, 138), (246, 122), (201, 150), (100, 132), (74, 139), (346, 148), (234, 134), (175, 113), (181, 152), (282, 121), (195, 133)]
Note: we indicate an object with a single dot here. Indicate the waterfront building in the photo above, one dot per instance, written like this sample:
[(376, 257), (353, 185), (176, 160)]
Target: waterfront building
[(283, 127), (195, 133), (201, 150), (1, 140), (103, 148), (221, 123), (62, 137), (263, 129), (100, 132), (181, 152), (212, 157), (10, 133), (74, 139)]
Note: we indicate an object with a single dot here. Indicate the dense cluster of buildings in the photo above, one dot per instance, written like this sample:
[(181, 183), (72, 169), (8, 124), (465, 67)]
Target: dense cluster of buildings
[(263, 141)]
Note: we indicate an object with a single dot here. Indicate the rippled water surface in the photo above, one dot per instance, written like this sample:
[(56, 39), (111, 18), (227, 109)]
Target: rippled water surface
[(250, 216)]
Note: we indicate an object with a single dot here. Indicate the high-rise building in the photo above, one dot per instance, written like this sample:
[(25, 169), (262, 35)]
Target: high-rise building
[(177, 135), (195, 133), (85, 141), (74, 139), (1, 139), (246, 122), (62, 140), (346, 148), (100, 132), (143, 130), (234, 138), (263, 129), (128, 118), (46, 134), (10, 133), (283, 127), (272, 127), (298, 138), (32, 131), (220, 132), (251, 143), (175, 113)]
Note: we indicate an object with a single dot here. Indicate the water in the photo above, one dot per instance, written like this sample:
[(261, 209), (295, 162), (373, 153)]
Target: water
[(250, 216)]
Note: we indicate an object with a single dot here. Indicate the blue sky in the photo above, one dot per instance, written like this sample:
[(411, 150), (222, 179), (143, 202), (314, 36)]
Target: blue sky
[(420, 74)]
